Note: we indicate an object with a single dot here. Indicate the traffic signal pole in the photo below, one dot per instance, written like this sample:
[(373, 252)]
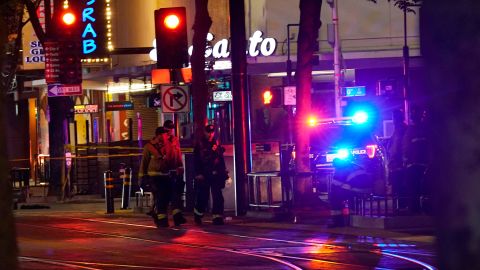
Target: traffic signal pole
[(241, 112), (336, 58)]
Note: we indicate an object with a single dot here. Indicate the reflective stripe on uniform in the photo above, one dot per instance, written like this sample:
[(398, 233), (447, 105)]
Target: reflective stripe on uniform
[(197, 212), (153, 173), (217, 216), (161, 216), (176, 211)]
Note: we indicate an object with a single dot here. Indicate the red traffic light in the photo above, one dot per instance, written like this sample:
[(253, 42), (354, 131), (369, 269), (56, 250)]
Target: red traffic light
[(171, 37), (171, 21), (68, 18)]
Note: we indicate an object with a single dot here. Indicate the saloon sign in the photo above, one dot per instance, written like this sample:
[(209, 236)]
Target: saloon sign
[(221, 49)]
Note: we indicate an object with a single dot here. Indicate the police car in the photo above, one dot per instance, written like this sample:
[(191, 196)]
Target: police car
[(347, 148)]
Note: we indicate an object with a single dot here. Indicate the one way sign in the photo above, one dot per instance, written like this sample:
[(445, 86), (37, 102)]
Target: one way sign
[(57, 90)]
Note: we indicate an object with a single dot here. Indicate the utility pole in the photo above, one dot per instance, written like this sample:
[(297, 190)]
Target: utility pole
[(337, 53), (406, 56), (241, 110), (289, 108)]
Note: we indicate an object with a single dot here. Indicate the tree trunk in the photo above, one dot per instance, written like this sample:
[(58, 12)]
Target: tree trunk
[(450, 42), (308, 34), (8, 245), (201, 27)]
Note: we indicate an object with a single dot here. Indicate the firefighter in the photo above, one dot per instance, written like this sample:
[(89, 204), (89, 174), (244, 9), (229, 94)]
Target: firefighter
[(158, 159), (395, 159), (176, 170), (144, 181), (210, 176), (349, 180), (415, 158)]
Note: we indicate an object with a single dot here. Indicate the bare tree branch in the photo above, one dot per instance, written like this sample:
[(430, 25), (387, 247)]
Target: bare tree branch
[(32, 13)]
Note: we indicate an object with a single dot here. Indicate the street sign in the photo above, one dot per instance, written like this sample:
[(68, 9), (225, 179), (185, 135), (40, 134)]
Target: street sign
[(290, 95), (175, 98), (354, 91), (58, 90), (222, 96), (52, 62)]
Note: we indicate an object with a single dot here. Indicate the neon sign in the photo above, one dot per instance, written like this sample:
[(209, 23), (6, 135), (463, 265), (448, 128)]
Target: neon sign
[(96, 28), (221, 49)]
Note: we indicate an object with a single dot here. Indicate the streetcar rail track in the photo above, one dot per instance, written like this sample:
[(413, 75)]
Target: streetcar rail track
[(273, 257)]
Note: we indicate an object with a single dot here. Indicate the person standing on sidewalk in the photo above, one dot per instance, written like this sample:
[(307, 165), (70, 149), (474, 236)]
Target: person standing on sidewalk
[(176, 171), (157, 159), (210, 176), (395, 159), (415, 158)]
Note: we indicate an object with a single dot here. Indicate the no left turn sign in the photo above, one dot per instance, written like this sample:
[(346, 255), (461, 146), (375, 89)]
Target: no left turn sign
[(175, 98)]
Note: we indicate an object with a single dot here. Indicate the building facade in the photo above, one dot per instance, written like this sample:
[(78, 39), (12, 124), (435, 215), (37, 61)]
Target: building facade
[(371, 37)]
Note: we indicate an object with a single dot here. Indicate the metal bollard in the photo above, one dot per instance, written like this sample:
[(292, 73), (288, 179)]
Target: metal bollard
[(108, 181), (127, 187)]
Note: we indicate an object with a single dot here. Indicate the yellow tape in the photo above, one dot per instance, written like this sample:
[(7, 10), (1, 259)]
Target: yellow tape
[(183, 150)]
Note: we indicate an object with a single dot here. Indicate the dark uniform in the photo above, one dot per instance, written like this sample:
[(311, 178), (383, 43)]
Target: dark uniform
[(176, 173), (415, 158), (210, 175), (349, 181), (395, 157)]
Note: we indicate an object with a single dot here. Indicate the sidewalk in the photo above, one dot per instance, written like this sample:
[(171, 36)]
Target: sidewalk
[(96, 206)]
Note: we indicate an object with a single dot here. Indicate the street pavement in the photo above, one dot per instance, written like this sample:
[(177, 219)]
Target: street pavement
[(79, 235)]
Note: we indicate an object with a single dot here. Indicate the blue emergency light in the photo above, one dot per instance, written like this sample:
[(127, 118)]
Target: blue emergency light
[(360, 117), (343, 153)]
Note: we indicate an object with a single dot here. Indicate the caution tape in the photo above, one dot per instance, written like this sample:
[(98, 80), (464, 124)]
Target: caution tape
[(19, 159), (184, 150)]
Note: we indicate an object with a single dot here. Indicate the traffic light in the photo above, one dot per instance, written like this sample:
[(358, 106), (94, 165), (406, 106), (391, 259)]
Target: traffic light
[(70, 51), (68, 18), (171, 37), (70, 64), (67, 24), (272, 97), (267, 97)]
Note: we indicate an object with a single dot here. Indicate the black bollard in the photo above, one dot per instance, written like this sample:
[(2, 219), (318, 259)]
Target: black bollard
[(108, 181), (127, 187)]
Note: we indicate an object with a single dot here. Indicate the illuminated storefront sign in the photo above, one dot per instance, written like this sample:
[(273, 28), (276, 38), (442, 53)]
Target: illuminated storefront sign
[(96, 28), (118, 106), (258, 46), (87, 108), (33, 53)]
